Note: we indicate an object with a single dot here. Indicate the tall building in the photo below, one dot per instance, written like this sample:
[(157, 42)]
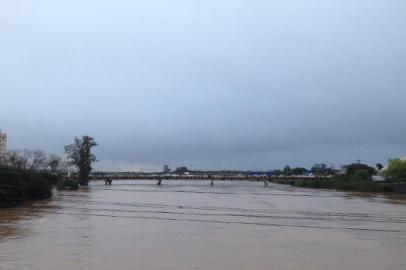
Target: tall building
[(3, 146), (167, 169)]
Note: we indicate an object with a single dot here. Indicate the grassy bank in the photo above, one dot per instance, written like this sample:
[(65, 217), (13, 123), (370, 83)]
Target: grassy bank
[(345, 183), (18, 185)]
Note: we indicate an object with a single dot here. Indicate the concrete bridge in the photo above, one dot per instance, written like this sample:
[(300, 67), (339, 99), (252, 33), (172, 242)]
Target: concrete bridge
[(179, 178), (108, 179)]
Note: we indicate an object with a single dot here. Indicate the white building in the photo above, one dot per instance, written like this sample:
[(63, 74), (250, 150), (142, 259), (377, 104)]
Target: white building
[(3, 146)]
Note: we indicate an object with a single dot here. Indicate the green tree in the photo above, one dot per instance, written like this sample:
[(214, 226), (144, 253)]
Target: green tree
[(287, 171), (322, 169), (81, 156), (352, 168), (396, 171), (361, 175), (299, 171), (276, 172), (181, 170)]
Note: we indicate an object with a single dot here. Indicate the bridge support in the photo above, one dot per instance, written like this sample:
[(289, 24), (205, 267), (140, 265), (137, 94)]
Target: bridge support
[(211, 182), (108, 181), (266, 184)]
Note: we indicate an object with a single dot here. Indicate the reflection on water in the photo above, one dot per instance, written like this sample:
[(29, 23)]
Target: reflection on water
[(190, 225), (12, 218)]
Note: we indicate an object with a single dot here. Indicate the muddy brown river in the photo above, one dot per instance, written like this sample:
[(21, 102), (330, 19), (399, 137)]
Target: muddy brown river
[(185, 225)]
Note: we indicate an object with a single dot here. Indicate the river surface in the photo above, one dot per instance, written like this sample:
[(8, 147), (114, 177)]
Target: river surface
[(185, 225)]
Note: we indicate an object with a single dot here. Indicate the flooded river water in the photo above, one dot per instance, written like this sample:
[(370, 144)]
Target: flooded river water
[(185, 225)]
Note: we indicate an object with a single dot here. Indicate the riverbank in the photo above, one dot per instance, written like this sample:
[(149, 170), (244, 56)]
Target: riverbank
[(18, 185), (344, 183)]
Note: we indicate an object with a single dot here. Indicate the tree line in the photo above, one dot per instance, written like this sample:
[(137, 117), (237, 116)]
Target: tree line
[(36, 160), (32, 174)]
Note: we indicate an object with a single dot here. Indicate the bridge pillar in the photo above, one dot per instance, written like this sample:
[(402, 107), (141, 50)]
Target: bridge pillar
[(108, 181)]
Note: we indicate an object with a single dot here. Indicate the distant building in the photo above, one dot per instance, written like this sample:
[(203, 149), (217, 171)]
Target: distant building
[(3, 146), (167, 169)]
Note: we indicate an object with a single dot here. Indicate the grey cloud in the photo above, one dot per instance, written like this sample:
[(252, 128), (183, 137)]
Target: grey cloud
[(231, 84)]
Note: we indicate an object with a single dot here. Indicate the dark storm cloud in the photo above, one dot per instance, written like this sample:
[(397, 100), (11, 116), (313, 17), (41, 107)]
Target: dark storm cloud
[(208, 84)]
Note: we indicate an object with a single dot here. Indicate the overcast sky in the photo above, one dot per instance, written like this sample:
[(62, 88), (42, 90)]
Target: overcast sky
[(222, 84)]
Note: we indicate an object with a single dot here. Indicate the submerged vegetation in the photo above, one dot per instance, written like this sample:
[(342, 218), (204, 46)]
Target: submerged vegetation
[(26, 174), (17, 185), (67, 184)]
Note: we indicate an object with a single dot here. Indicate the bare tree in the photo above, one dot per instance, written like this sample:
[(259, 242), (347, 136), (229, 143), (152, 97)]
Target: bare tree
[(16, 159), (53, 163), (36, 160)]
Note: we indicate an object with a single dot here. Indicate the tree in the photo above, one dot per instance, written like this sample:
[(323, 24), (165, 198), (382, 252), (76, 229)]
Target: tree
[(14, 159), (299, 171), (81, 156), (352, 168), (35, 160), (396, 171), (361, 175), (276, 172), (181, 170), (321, 169), (287, 170), (38, 160), (54, 163), (379, 166)]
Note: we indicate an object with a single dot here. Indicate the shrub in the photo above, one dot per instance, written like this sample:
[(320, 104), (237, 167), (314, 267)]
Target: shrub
[(346, 183), (11, 188), (37, 186), (361, 174), (299, 183), (353, 168), (17, 185), (67, 184)]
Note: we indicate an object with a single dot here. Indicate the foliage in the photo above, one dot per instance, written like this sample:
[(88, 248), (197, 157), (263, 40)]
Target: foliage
[(396, 171), (299, 171), (287, 170), (379, 166), (352, 168), (17, 185), (35, 160), (181, 170), (361, 174), (276, 172), (81, 156), (67, 184), (322, 169), (342, 182)]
